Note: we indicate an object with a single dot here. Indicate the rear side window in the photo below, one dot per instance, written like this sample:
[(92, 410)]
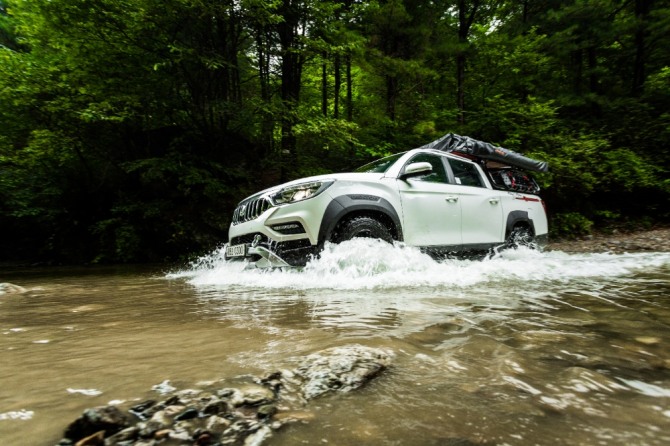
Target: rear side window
[(465, 174), (513, 179)]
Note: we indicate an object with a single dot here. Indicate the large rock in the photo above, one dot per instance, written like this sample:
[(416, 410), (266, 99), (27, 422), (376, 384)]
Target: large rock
[(341, 369), (105, 418), (10, 288)]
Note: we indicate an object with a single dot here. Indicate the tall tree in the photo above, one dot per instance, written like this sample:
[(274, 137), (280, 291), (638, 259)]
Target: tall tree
[(467, 11), (290, 31), (642, 10)]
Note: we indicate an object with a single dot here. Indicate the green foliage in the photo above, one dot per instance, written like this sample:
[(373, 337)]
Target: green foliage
[(624, 169), (570, 225), (326, 144), (129, 129), (606, 219)]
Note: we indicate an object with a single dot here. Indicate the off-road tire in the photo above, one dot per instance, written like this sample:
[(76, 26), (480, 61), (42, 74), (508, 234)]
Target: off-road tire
[(521, 236), (362, 227)]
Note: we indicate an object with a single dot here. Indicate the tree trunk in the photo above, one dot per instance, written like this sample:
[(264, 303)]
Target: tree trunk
[(460, 87), (267, 124), (324, 85), (642, 8), (350, 99), (391, 95), (465, 20), (291, 69), (338, 86), (593, 69), (578, 67)]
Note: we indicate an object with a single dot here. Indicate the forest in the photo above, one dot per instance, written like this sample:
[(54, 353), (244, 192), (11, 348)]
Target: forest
[(130, 129)]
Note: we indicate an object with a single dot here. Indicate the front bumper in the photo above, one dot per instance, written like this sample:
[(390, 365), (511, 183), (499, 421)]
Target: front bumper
[(261, 252), (268, 259), (277, 236)]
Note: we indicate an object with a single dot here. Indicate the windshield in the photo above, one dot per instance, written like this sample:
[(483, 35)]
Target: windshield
[(381, 165)]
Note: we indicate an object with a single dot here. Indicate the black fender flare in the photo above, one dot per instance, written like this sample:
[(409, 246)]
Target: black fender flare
[(516, 217), (347, 204)]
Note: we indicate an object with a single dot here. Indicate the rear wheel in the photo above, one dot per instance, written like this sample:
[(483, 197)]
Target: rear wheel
[(521, 236), (361, 227)]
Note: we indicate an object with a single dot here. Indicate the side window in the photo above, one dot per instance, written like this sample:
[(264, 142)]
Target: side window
[(465, 174), (438, 175)]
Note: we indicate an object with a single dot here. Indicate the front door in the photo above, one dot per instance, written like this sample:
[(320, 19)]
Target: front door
[(431, 210)]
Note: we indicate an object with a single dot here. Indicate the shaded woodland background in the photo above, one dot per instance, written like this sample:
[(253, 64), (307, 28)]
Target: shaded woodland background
[(129, 129)]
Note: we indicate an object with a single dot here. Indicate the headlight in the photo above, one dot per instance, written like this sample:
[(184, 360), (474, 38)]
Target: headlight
[(299, 192)]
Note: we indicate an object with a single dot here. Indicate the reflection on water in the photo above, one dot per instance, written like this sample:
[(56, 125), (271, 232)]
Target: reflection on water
[(527, 348)]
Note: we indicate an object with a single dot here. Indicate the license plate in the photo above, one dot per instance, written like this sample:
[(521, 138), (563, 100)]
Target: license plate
[(236, 250)]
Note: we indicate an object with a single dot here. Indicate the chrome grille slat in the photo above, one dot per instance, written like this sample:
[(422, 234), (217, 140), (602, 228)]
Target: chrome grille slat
[(250, 210)]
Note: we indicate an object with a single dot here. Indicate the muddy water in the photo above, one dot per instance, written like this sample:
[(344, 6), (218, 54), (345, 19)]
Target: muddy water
[(525, 349)]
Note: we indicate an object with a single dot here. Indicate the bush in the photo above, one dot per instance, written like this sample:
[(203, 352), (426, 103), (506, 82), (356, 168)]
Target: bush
[(570, 224)]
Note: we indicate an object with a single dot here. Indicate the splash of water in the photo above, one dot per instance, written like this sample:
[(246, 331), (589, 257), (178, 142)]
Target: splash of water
[(22, 414), (372, 264)]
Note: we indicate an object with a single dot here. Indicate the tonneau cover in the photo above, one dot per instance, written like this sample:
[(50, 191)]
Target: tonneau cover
[(464, 144)]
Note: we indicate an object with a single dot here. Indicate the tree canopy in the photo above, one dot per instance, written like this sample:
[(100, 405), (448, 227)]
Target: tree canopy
[(129, 129)]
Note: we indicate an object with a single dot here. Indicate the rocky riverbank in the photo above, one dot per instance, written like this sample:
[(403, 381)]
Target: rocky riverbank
[(220, 414), (617, 242)]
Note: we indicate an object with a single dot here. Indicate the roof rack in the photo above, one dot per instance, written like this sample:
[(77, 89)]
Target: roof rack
[(484, 150)]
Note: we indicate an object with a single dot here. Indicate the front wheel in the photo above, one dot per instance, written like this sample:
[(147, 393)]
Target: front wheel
[(363, 226), (521, 236)]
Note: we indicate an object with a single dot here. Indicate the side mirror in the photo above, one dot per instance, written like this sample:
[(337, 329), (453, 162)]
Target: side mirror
[(416, 169)]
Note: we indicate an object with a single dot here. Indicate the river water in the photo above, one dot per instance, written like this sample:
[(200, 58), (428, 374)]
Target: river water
[(527, 348)]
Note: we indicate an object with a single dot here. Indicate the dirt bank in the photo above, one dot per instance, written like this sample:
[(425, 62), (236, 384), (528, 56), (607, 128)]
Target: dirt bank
[(617, 241)]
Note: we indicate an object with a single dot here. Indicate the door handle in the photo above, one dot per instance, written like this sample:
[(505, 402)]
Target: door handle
[(494, 200), (451, 199)]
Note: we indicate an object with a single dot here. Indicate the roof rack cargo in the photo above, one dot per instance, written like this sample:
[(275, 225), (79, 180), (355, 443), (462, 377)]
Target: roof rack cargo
[(484, 150)]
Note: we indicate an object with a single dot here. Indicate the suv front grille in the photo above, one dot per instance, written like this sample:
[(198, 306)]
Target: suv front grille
[(250, 209)]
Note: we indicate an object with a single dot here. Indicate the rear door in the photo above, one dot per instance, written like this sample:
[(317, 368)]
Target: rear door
[(482, 219)]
